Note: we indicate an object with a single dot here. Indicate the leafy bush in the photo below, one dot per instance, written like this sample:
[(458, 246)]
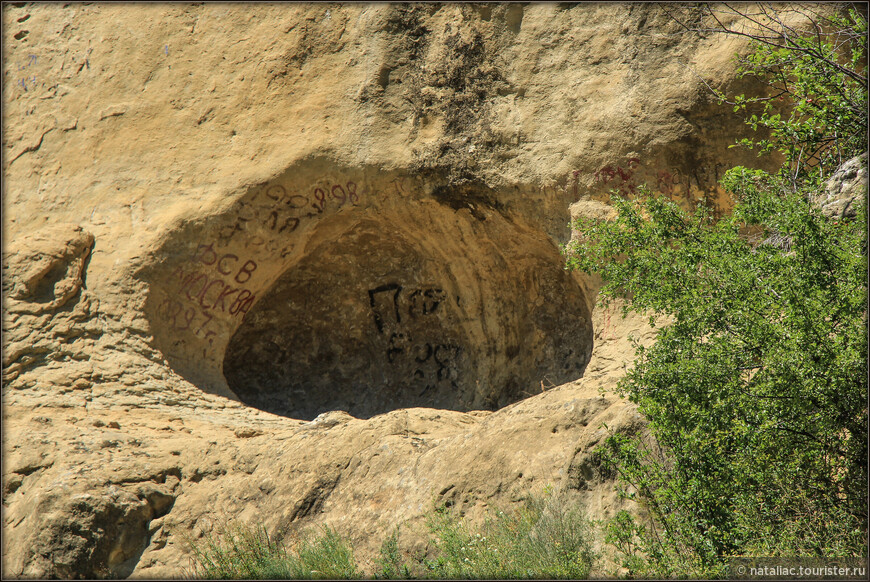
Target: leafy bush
[(240, 552), (816, 109), (389, 565), (546, 538), (756, 391), (812, 58)]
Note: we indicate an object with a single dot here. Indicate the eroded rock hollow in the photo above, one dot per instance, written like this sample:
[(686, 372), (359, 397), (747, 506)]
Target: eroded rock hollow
[(316, 295), (384, 317)]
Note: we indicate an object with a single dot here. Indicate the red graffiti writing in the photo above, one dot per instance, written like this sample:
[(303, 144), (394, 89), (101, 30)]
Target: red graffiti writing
[(626, 184), (213, 293), (225, 263), (187, 319), (282, 212)]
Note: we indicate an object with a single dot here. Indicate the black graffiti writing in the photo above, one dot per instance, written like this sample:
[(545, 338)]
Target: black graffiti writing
[(282, 212), (432, 362), (420, 302), (398, 343), (445, 356), (376, 304), (425, 301)]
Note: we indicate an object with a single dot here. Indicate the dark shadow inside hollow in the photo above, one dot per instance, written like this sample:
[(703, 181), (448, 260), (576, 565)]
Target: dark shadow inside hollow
[(376, 320)]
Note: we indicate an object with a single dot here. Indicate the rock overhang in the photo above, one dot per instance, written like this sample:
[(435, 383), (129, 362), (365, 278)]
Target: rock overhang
[(360, 289)]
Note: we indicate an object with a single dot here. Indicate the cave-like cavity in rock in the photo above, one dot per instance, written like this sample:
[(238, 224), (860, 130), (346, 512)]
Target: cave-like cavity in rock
[(300, 299), (379, 319)]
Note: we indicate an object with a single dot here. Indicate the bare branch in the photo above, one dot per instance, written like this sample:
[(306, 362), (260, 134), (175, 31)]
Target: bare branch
[(782, 39)]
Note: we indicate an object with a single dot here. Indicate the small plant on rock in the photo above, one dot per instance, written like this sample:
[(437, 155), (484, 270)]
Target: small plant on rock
[(546, 538), (239, 552)]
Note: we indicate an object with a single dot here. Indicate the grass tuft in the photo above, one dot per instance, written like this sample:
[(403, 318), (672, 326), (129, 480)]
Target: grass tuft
[(546, 538), (240, 552)]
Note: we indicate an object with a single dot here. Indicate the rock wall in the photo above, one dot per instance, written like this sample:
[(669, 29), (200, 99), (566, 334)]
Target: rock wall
[(299, 264)]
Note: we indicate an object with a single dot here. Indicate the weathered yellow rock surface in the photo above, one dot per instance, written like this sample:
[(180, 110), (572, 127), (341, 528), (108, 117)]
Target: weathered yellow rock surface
[(225, 225)]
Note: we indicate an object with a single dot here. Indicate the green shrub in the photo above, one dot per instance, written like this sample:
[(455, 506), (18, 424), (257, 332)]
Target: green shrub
[(389, 565), (756, 391), (546, 538), (816, 105), (244, 553)]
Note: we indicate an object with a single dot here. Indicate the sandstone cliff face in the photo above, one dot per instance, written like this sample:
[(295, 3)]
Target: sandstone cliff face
[(223, 226)]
